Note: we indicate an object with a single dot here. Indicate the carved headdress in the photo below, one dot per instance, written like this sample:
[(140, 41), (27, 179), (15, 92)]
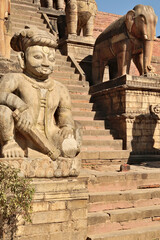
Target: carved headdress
[(28, 37)]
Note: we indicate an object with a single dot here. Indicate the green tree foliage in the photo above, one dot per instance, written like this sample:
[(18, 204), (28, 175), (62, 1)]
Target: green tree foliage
[(16, 194)]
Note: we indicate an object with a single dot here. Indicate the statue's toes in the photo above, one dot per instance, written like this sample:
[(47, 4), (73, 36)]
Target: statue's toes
[(58, 173)]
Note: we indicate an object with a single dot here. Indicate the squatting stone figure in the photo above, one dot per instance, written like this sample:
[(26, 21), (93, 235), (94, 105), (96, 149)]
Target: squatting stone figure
[(35, 111)]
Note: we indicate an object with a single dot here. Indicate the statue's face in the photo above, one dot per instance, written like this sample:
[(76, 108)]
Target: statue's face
[(39, 61)]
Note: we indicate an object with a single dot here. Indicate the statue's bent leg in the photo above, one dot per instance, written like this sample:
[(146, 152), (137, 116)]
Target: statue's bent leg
[(10, 148)]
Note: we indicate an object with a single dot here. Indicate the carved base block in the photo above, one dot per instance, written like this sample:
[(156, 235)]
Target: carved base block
[(79, 47), (59, 211), (44, 167)]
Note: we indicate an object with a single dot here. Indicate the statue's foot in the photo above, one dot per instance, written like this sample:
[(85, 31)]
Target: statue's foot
[(12, 150)]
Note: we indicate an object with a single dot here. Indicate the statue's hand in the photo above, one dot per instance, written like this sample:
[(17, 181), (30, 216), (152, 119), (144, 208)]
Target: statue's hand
[(24, 120), (66, 132)]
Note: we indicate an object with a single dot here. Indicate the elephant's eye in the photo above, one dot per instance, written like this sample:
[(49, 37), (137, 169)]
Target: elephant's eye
[(142, 18)]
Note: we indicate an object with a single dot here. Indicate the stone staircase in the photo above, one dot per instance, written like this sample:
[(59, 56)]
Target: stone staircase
[(98, 143), (124, 206)]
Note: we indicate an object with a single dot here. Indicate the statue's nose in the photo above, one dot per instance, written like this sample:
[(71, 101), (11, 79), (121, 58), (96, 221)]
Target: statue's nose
[(45, 62)]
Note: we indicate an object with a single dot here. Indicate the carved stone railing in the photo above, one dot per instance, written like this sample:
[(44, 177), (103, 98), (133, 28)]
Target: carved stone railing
[(78, 68)]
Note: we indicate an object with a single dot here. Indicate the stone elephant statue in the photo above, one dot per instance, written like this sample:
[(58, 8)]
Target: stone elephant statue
[(80, 15), (130, 37)]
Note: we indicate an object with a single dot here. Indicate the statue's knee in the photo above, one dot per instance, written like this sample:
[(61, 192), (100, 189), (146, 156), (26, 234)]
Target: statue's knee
[(5, 112)]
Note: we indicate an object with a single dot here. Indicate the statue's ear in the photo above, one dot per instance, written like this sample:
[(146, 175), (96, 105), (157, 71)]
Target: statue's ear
[(21, 59), (130, 20)]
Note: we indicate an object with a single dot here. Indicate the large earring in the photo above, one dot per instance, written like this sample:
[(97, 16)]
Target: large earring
[(21, 59)]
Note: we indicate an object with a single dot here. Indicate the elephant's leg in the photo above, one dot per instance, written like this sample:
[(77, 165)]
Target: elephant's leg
[(124, 61), (97, 68), (60, 4), (50, 3), (10, 148), (71, 17), (88, 29), (138, 61)]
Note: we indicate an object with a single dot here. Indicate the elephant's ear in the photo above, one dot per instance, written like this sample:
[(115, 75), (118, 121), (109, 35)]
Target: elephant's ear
[(130, 19)]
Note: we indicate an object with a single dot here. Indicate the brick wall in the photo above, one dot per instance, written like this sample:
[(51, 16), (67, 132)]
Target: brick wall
[(103, 20)]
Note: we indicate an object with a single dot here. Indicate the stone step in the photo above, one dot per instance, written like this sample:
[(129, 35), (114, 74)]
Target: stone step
[(15, 11), (122, 219), (61, 62), (96, 132), (74, 83), (80, 98), (36, 21), (21, 25), (93, 115), (140, 233), (66, 75), (136, 178), (16, 29), (103, 201), (97, 137), (106, 142), (27, 2), (60, 57), (23, 5), (60, 69), (88, 125), (82, 105), (99, 157), (104, 145)]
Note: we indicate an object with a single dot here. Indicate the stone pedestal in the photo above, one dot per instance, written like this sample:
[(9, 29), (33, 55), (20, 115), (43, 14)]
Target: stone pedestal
[(59, 204), (82, 50), (79, 47), (59, 211), (127, 102)]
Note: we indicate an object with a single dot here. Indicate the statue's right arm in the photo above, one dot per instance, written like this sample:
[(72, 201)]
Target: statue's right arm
[(8, 84)]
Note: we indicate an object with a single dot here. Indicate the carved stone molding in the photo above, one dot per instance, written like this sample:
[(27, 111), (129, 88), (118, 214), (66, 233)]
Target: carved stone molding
[(155, 109)]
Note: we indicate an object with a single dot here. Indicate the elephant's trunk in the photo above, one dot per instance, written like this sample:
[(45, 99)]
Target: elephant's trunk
[(147, 56)]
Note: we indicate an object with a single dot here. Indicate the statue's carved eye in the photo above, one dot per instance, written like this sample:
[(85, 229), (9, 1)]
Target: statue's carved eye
[(51, 59), (38, 56)]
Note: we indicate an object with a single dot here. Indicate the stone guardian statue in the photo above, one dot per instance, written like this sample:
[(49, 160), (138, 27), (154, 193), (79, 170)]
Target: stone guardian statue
[(35, 110)]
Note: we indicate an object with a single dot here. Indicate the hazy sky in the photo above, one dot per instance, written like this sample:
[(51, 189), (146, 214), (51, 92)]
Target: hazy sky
[(123, 6)]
